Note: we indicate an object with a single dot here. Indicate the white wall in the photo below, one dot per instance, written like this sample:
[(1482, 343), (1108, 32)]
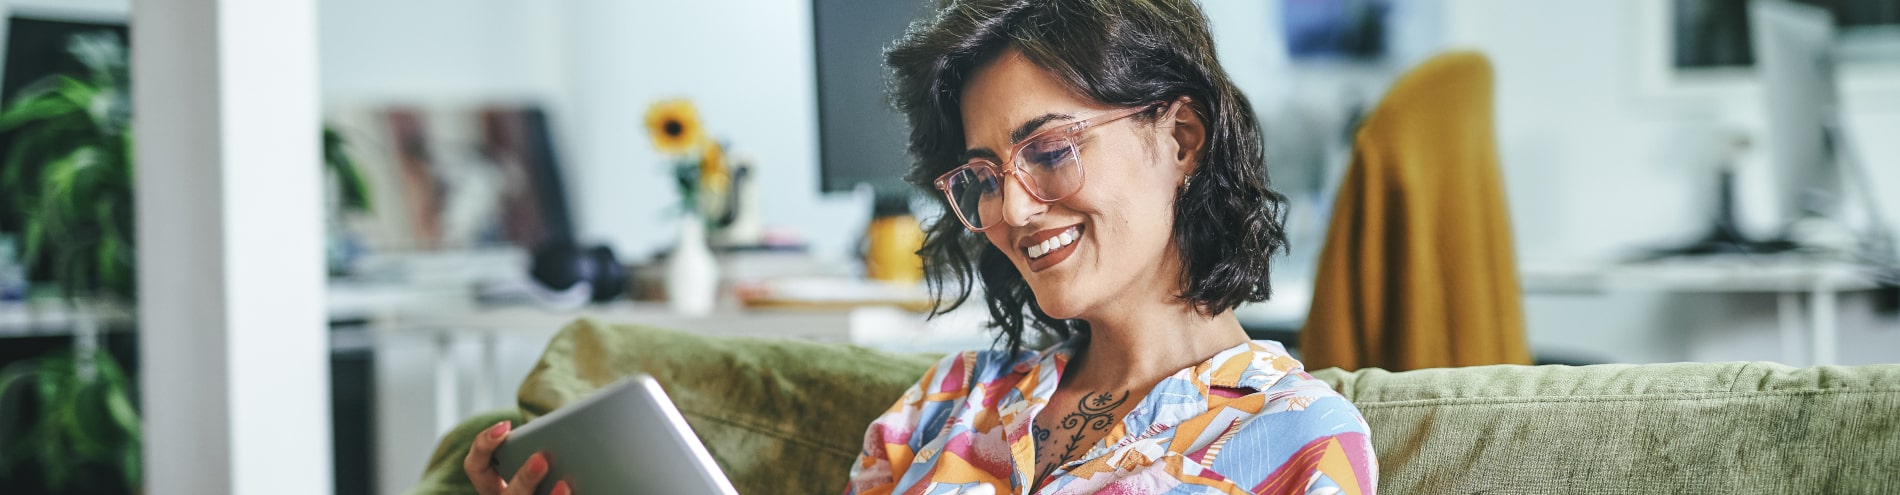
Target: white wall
[(1595, 166), (597, 64), (438, 50), (747, 65)]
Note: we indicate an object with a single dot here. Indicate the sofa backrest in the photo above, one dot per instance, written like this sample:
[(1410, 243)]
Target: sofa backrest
[(1662, 428), (789, 417)]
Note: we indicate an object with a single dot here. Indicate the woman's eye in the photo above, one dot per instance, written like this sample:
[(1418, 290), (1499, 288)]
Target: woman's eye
[(1048, 154), (980, 184), (989, 185)]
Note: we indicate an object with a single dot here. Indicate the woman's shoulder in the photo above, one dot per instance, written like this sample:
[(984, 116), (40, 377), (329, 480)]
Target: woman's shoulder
[(1278, 398), (967, 368), (1288, 393), (1304, 433)]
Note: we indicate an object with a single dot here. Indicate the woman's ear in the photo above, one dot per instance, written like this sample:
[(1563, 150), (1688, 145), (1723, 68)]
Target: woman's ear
[(1189, 131)]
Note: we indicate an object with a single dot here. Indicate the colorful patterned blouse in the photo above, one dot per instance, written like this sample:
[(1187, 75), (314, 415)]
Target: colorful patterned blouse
[(1249, 420)]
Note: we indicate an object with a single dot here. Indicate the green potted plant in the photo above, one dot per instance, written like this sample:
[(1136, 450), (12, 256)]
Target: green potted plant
[(71, 414)]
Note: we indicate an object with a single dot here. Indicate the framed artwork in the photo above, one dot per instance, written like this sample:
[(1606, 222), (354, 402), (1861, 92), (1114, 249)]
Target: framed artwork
[(457, 176)]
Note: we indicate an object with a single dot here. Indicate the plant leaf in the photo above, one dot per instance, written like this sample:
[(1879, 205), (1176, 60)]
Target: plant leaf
[(31, 235), (107, 259), (34, 145), (35, 108), (125, 417), (18, 373), (81, 94), (352, 187), (55, 464)]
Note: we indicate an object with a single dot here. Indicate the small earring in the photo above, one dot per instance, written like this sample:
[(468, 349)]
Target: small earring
[(1184, 181)]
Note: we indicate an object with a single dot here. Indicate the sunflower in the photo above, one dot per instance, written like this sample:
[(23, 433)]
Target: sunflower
[(674, 126)]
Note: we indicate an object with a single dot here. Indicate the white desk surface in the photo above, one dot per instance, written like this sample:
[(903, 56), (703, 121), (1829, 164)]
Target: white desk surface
[(1773, 274), (818, 325), (53, 317), (448, 311)]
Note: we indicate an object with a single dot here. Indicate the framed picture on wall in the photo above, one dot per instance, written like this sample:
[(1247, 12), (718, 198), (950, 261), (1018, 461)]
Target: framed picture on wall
[(1698, 51)]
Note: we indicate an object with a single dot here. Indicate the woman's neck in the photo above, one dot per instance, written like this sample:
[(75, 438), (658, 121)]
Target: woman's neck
[(1139, 347)]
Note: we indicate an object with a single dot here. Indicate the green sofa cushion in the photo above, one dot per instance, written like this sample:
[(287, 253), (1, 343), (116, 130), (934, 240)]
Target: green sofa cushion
[(1663, 428), (788, 417)]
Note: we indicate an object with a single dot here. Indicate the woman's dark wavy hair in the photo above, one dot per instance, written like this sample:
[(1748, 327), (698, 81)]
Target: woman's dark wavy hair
[(1227, 223)]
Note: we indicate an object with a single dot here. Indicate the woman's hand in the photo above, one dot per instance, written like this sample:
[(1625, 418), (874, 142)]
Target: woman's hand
[(481, 469)]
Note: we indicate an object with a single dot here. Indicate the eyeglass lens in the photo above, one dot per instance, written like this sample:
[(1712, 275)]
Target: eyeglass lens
[(1048, 168)]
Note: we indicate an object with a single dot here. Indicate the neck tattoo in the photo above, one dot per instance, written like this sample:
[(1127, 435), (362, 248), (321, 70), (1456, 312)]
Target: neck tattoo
[(1094, 413)]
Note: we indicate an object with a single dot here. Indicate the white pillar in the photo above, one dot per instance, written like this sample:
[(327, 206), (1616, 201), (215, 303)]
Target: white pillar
[(233, 343)]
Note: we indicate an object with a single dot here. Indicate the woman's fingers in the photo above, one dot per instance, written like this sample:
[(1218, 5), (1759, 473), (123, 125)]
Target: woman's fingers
[(529, 476), (479, 464)]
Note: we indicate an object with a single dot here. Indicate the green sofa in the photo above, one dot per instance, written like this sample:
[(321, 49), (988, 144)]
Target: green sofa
[(787, 417)]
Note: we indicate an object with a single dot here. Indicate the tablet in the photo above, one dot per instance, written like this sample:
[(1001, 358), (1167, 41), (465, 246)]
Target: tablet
[(627, 438)]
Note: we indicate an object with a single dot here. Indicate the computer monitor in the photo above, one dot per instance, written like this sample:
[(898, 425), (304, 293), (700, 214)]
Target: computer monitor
[(861, 138), (1794, 50)]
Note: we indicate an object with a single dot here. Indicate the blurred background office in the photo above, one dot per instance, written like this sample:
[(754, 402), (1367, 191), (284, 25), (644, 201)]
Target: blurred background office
[(1684, 180)]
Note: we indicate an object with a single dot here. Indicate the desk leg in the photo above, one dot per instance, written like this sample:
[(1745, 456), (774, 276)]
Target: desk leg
[(1788, 311), (489, 375), (1822, 306), (447, 400)]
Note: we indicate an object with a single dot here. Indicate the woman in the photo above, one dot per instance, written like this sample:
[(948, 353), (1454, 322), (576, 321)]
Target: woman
[(1104, 181)]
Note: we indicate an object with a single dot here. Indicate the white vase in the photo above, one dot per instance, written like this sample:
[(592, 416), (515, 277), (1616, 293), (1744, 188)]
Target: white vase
[(692, 275)]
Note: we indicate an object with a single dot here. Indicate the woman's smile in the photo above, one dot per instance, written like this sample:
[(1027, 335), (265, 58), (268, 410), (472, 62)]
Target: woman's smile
[(1048, 247)]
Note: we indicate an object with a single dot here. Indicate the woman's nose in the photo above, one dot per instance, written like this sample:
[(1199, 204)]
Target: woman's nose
[(1018, 205)]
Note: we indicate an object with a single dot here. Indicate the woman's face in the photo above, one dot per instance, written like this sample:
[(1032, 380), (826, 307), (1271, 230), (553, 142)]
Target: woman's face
[(1122, 219)]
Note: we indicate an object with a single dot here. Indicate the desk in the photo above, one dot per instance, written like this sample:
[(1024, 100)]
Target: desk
[(54, 317), (1790, 277), (448, 323), (447, 319)]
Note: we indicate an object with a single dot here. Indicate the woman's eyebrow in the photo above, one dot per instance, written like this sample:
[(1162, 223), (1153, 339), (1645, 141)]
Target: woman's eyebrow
[(1030, 126), (1022, 131), (984, 153)]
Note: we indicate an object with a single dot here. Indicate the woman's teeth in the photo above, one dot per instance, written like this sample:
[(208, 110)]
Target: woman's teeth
[(1067, 237)]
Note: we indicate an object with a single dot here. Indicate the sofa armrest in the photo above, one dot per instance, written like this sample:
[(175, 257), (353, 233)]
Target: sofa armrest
[(778, 415)]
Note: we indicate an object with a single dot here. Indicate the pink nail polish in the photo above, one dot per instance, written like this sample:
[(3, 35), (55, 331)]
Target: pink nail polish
[(498, 430)]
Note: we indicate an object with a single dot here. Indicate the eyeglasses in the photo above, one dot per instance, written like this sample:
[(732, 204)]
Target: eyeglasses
[(1046, 164)]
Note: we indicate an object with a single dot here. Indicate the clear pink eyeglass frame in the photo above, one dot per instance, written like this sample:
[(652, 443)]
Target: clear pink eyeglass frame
[(1068, 132)]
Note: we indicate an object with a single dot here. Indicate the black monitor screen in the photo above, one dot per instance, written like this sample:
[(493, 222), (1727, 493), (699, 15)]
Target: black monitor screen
[(861, 139)]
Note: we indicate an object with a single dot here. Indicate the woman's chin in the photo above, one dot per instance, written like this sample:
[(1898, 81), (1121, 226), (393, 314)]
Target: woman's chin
[(1059, 308)]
